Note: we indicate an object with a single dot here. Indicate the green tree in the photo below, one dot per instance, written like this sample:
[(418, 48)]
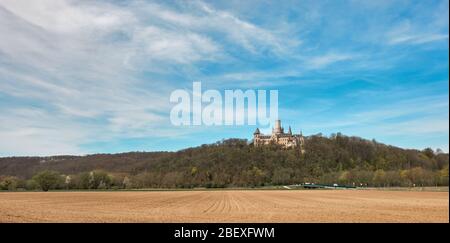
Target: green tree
[(84, 180), (100, 180), (392, 178), (379, 178), (428, 152), (31, 185), (256, 176), (282, 176), (48, 180), (126, 183), (344, 177), (443, 176), (9, 183)]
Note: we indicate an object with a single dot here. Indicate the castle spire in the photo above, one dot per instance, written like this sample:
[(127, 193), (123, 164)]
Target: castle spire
[(257, 131), (290, 131)]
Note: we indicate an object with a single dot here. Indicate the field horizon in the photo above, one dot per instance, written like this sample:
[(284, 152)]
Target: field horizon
[(262, 188)]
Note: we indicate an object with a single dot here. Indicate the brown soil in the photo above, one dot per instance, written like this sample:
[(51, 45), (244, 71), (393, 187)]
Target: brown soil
[(226, 206)]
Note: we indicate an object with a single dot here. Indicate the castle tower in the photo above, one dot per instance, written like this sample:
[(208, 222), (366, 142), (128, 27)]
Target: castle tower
[(277, 129), (256, 133)]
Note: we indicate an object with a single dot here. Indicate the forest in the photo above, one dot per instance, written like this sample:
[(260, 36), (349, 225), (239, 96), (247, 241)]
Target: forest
[(330, 159)]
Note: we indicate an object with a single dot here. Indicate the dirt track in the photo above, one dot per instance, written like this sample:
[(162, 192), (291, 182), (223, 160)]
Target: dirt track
[(226, 206)]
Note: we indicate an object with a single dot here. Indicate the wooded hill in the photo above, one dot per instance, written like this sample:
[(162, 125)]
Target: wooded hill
[(236, 162)]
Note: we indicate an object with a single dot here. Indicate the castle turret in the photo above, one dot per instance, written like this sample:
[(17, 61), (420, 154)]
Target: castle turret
[(257, 132), (277, 129)]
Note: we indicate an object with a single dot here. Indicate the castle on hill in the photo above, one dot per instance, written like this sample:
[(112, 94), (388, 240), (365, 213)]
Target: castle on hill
[(286, 140)]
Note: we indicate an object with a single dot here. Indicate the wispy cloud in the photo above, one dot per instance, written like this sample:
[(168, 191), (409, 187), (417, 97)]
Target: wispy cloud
[(327, 59), (406, 34)]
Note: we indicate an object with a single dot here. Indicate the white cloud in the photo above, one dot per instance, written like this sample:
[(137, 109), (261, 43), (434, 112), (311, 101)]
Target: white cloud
[(27, 131), (409, 32), (327, 59), (169, 46), (205, 18), (68, 17), (418, 39)]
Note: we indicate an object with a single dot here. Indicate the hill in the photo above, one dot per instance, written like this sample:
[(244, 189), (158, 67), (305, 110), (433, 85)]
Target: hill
[(235, 162)]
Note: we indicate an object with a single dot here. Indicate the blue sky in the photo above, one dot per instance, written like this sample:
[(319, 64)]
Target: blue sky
[(79, 77)]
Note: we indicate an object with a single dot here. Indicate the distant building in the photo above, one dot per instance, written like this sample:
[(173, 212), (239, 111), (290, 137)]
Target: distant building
[(287, 140)]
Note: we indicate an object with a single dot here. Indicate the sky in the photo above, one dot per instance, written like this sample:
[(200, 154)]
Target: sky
[(83, 77)]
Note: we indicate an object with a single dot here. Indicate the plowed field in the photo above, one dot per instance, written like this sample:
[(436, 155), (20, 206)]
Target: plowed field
[(226, 206)]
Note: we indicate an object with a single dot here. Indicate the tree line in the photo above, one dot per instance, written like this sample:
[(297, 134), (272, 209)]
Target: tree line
[(100, 180), (234, 163)]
